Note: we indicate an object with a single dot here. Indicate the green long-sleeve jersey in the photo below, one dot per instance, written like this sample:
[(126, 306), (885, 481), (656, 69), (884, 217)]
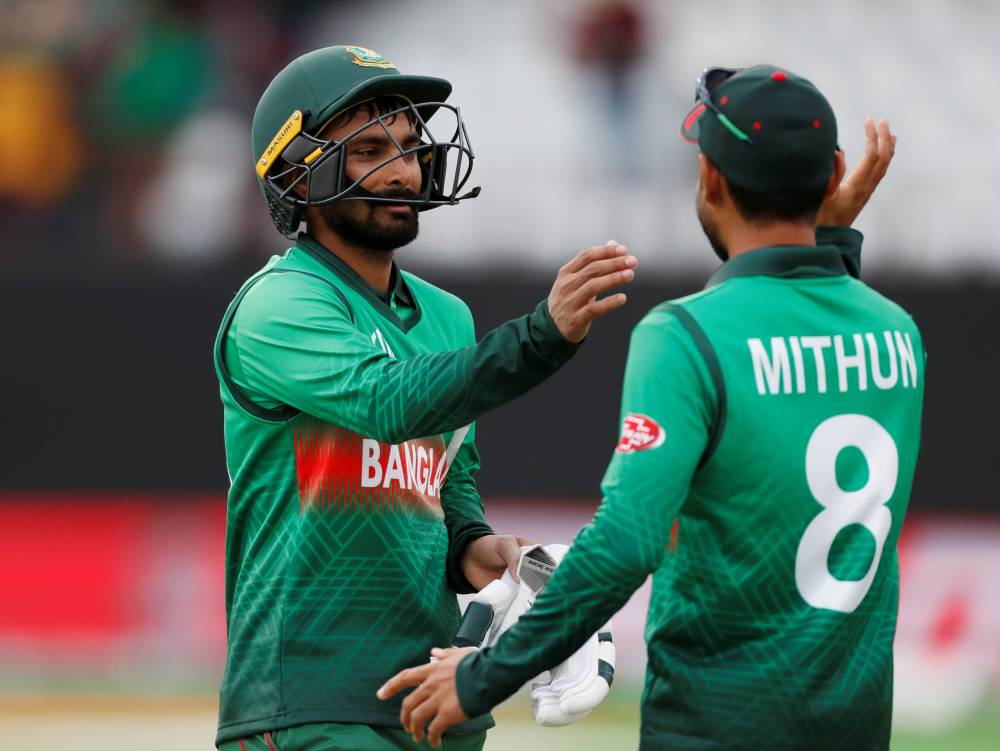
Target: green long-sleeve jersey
[(352, 458), (770, 431)]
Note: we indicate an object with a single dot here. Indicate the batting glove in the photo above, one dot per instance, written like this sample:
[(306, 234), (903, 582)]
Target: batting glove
[(574, 687)]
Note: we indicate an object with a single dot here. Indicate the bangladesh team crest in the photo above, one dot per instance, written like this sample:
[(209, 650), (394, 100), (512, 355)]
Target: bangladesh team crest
[(639, 432), (368, 58)]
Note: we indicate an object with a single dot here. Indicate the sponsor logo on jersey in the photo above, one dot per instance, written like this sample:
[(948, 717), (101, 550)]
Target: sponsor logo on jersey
[(639, 432), (337, 468)]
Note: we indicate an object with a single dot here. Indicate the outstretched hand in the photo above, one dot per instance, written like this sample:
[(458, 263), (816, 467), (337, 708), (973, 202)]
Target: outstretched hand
[(843, 206), (573, 302), (432, 707)]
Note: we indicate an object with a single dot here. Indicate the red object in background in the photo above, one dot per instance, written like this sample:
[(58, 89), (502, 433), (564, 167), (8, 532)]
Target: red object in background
[(952, 620), (106, 581), (89, 567), (611, 34), (66, 566)]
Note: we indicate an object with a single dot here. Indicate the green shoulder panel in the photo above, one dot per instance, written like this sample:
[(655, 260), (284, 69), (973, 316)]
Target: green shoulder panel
[(280, 413), (707, 352)]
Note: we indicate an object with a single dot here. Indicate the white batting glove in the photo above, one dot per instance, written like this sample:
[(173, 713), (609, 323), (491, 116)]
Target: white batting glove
[(498, 605), (575, 686), (578, 684)]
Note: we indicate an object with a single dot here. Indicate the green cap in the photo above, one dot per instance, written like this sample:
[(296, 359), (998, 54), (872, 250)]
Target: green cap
[(791, 128), (327, 81)]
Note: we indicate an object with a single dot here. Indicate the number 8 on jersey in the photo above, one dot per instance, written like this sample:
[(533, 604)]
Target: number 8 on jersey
[(842, 508)]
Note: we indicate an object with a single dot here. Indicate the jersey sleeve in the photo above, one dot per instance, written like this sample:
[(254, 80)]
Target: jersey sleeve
[(464, 516), (668, 407), (463, 511), (295, 344)]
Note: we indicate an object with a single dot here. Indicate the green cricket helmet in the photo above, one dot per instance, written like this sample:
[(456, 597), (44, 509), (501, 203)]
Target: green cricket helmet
[(315, 88)]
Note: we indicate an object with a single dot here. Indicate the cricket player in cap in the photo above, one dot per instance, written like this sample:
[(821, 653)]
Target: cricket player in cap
[(770, 428), (349, 389)]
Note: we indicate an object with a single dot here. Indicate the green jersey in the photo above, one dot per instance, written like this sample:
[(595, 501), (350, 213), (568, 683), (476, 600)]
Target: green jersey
[(352, 457), (770, 430)]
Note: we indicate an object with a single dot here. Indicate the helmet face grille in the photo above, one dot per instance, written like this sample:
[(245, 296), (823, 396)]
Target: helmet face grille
[(320, 166)]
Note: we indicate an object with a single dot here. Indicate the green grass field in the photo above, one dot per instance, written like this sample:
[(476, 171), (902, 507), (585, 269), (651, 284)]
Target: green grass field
[(168, 724), (615, 725)]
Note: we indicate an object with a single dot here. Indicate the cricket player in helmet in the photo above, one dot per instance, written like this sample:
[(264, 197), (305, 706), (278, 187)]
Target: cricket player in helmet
[(350, 388)]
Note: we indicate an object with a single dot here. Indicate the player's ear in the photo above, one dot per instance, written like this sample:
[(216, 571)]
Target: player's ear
[(839, 170), (710, 181)]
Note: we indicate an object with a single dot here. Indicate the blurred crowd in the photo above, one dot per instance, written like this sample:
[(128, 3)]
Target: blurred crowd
[(123, 123)]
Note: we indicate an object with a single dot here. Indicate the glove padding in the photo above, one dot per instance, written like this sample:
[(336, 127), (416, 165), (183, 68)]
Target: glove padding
[(578, 684), (575, 686)]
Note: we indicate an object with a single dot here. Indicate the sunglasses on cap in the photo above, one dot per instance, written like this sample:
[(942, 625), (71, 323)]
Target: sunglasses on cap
[(708, 82)]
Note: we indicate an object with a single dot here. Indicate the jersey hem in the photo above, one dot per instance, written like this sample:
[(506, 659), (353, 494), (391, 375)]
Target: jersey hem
[(236, 730)]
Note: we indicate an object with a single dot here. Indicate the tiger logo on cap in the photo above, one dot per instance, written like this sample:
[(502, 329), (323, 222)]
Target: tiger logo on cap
[(368, 58)]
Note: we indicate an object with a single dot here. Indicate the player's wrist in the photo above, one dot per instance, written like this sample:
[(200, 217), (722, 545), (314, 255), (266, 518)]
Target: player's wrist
[(550, 336), (459, 540), (473, 694)]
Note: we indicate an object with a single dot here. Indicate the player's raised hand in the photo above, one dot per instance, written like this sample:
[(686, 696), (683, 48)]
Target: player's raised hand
[(573, 301), (843, 207)]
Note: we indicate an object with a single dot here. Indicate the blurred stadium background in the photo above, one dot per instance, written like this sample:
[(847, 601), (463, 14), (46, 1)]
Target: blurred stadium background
[(130, 217)]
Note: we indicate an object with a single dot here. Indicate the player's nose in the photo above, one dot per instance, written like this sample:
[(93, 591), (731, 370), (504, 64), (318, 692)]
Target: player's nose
[(400, 173)]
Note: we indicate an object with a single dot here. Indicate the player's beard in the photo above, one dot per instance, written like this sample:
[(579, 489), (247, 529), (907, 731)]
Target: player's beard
[(711, 230), (364, 225)]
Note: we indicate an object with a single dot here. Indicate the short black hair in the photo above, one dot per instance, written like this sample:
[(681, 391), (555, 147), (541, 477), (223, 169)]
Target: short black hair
[(377, 107), (784, 207)]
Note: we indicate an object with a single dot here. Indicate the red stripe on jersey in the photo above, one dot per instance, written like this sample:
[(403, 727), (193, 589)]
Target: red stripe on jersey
[(338, 468)]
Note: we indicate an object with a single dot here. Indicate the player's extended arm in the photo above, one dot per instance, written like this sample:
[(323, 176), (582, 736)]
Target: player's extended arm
[(296, 344), (476, 555), (667, 384)]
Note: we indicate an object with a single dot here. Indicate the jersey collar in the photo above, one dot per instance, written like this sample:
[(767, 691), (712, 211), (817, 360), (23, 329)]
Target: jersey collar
[(784, 261), (398, 296)]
